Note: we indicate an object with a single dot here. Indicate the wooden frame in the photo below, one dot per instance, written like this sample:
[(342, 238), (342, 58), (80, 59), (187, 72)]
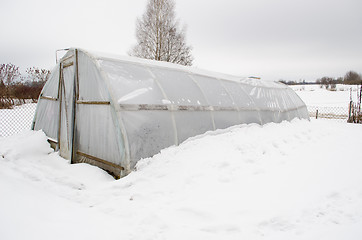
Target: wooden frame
[(160, 107), (99, 160), (49, 98), (94, 102)]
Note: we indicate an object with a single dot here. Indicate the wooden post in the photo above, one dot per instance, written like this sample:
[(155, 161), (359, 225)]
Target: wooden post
[(316, 114), (350, 112), (60, 98), (74, 116)]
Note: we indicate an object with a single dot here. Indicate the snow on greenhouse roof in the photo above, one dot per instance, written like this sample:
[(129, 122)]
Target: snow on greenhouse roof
[(153, 63)]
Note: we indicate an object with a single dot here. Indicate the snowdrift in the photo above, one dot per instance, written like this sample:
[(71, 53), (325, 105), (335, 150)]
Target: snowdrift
[(298, 180)]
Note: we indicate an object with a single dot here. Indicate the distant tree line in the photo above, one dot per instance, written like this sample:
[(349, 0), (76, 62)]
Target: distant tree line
[(350, 78), (17, 89)]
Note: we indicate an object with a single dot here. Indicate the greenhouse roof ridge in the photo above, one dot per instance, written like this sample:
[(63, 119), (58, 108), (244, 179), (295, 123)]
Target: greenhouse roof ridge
[(193, 70)]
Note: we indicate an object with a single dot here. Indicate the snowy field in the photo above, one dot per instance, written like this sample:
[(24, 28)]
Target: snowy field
[(293, 180), (330, 104), (314, 95), (299, 180), (17, 119)]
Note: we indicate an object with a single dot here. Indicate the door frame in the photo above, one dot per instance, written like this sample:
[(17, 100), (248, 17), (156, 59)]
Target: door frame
[(75, 96)]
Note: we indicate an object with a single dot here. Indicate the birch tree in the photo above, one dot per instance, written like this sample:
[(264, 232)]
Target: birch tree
[(159, 37)]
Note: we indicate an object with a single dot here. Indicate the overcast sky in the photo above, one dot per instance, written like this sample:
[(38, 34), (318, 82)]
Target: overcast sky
[(273, 39)]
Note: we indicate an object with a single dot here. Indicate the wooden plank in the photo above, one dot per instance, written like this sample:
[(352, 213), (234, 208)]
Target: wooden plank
[(171, 107), (49, 98), (69, 57), (99, 160), (67, 64), (160, 107), (74, 122), (52, 140), (60, 96), (94, 102), (53, 143), (152, 107)]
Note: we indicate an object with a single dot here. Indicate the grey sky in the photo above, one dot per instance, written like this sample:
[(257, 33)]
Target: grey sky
[(274, 39)]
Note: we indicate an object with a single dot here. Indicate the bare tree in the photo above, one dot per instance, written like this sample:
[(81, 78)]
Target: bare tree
[(328, 82), (352, 77), (3, 99), (38, 78), (13, 87), (8, 74), (159, 37), (21, 92), (39, 75)]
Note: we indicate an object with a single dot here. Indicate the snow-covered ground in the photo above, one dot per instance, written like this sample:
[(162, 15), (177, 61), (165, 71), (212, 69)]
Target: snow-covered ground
[(317, 96), (17, 119), (298, 180), (329, 104)]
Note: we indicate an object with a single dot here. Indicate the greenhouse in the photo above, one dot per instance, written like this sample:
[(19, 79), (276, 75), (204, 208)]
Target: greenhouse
[(112, 111)]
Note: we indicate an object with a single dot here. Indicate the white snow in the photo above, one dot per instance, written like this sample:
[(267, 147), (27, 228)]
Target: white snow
[(100, 57), (298, 180), (315, 95), (165, 101), (17, 119)]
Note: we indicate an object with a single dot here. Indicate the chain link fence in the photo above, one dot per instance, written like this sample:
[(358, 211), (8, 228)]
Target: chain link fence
[(20, 117), (335, 113), (16, 119)]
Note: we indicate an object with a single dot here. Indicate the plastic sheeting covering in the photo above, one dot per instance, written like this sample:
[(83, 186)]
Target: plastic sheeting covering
[(47, 110), (126, 109)]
